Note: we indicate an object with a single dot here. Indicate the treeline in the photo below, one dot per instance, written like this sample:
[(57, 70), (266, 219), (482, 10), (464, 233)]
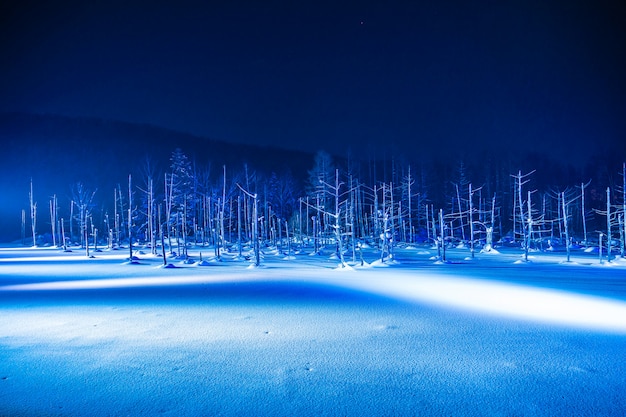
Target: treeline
[(340, 204)]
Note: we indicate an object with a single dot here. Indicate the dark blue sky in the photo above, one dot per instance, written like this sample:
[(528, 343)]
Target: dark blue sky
[(311, 75)]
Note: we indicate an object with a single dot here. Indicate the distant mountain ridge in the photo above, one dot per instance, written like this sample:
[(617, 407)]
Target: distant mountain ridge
[(158, 142), (58, 151)]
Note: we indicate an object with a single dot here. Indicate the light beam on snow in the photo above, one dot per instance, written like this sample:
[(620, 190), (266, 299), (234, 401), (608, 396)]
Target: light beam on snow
[(116, 283), (503, 299), (470, 294)]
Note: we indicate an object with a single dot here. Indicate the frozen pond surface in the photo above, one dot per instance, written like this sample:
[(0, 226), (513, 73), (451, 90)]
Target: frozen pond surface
[(487, 336)]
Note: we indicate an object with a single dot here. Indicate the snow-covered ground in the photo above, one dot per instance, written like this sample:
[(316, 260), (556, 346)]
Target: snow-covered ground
[(483, 336)]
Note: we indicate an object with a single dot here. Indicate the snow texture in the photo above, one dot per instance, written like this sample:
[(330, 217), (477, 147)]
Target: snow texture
[(301, 336)]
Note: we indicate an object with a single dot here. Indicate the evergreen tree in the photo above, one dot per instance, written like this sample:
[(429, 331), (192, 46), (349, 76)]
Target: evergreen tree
[(182, 186), (282, 194), (323, 171)]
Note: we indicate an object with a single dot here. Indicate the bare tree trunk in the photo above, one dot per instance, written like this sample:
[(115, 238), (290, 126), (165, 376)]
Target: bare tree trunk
[(623, 228), (168, 209), (288, 238), (384, 251), (608, 224), (120, 200), (515, 215), (471, 221), (600, 246), (63, 235), (56, 219), (520, 181), (86, 233), (151, 217), (116, 218), (223, 209), (130, 219), (255, 227), (33, 214), (409, 212), (528, 228), (622, 234), (350, 214), (184, 227), (110, 234), (71, 219), (427, 225), (433, 222), (582, 203), (53, 223), (315, 241), (523, 228), (489, 229), (338, 220), (443, 237), (564, 208), (162, 238), (493, 211), (307, 218), (239, 236), (458, 199), (316, 225), (218, 228), (23, 227), (376, 220), (255, 231)]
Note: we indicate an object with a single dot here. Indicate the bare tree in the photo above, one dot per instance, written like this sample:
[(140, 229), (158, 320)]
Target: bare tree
[(23, 227), (521, 216), (53, 219), (441, 240), (612, 215), (490, 227), (64, 239), (334, 190), (161, 230), (33, 214), (471, 211), (169, 202), (566, 198), (131, 217), (150, 225), (255, 225), (583, 210), (407, 185), (621, 222), (609, 221), (83, 199)]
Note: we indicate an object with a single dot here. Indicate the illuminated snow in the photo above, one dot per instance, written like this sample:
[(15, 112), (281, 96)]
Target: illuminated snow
[(303, 337)]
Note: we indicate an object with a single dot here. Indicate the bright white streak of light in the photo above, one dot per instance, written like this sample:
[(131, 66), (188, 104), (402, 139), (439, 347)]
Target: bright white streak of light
[(94, 284), (501, 299)]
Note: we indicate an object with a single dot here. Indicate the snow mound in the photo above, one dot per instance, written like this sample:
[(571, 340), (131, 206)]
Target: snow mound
[(491, 251), (345, 267)]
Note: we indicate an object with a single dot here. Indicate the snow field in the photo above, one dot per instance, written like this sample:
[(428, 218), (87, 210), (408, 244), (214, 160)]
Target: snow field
[(299, 337)]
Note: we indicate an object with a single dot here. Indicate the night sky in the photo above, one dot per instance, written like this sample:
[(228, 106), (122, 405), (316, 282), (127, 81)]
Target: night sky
[(314, 75)]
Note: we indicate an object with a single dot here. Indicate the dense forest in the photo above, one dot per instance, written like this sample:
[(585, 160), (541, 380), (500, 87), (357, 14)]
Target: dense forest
[(111, 183)]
